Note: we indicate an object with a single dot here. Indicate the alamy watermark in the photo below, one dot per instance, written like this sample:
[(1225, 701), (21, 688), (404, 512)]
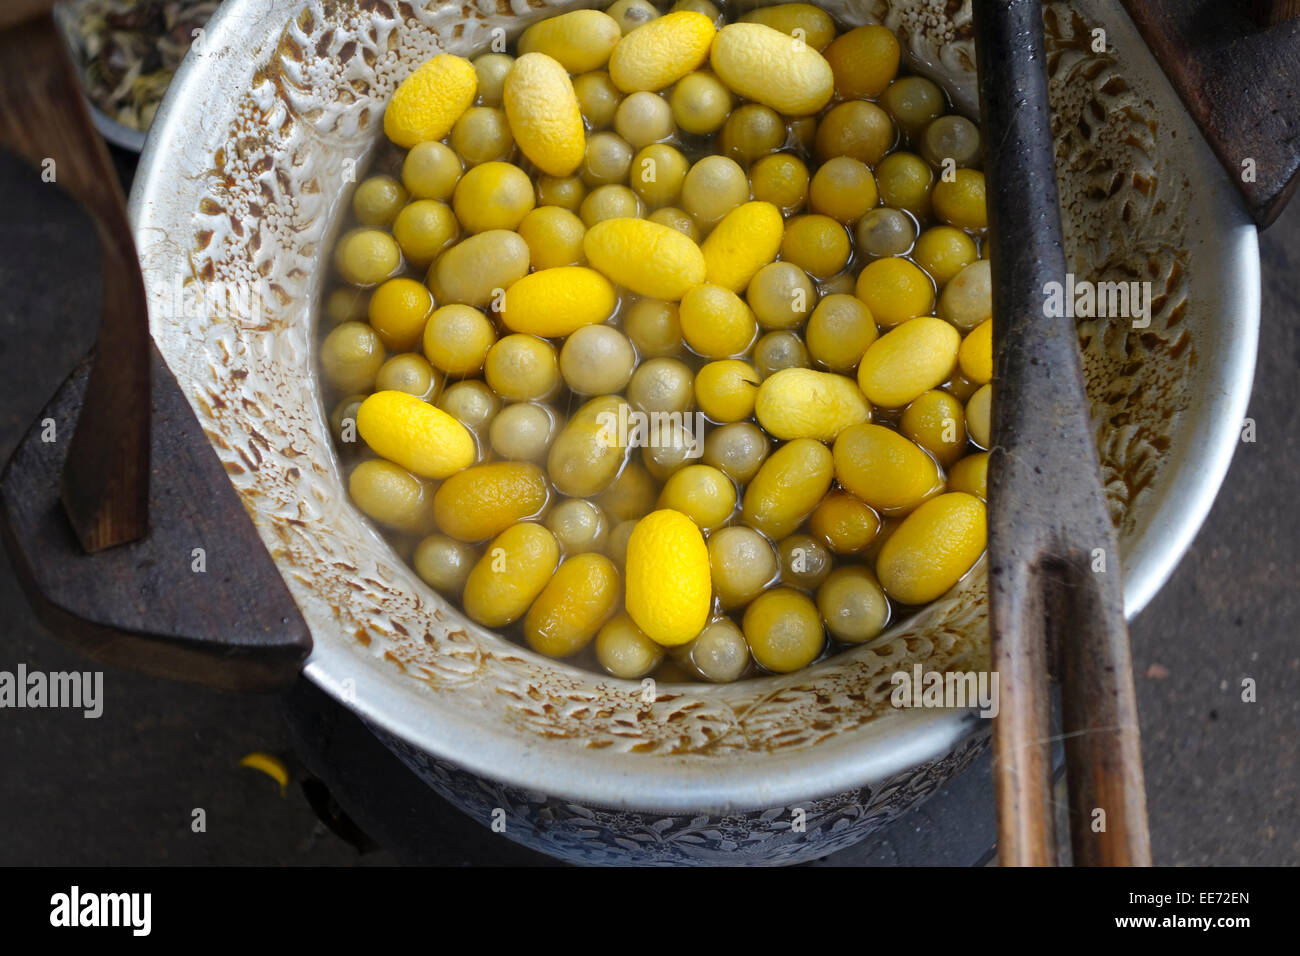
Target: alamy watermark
[(75, 908), (946, 689), (234, 301), (76, 690), (1083, 299), (631, 428)]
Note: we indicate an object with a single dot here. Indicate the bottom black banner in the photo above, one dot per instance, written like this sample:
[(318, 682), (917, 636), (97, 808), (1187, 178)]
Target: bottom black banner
[(302, 905)]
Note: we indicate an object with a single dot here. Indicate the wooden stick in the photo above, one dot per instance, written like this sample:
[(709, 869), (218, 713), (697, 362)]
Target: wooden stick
[(1055, 596), (44, 119), (20, 11), (1270, 13)]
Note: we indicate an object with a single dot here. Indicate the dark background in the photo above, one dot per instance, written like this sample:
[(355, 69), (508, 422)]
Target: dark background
[(1223, 776)]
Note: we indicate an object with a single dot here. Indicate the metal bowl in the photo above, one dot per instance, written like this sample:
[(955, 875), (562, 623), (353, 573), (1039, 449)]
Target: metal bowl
[(119, 134), (241, 188)]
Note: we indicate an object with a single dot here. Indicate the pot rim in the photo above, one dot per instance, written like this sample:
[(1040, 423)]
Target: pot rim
[(888, 746)]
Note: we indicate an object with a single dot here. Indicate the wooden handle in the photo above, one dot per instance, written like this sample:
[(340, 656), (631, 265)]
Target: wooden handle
[(44, 119), (1103, 754), (20, 11), (1272, 12), (1055, 594)]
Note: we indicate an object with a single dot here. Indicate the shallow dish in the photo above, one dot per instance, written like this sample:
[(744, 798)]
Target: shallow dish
[(241, 190)]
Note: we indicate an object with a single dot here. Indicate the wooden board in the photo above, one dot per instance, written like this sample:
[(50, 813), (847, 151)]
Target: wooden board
[(198, 599), (1239, 81)]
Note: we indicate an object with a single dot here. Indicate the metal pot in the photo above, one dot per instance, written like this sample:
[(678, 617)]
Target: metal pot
[(243, 181)]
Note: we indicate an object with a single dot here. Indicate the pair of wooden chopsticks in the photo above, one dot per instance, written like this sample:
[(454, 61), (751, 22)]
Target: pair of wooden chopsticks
[(1051, 611)]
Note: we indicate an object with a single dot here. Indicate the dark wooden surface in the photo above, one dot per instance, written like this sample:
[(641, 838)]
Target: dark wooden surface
[(198, 599), (1240, 81), (45, 120), (1049, 607)]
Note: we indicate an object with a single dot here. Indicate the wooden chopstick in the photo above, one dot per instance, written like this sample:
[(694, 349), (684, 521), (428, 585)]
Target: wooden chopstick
[(1055, 587)]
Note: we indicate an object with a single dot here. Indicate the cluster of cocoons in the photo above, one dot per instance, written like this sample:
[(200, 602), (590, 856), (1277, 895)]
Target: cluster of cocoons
[(663, 341)]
